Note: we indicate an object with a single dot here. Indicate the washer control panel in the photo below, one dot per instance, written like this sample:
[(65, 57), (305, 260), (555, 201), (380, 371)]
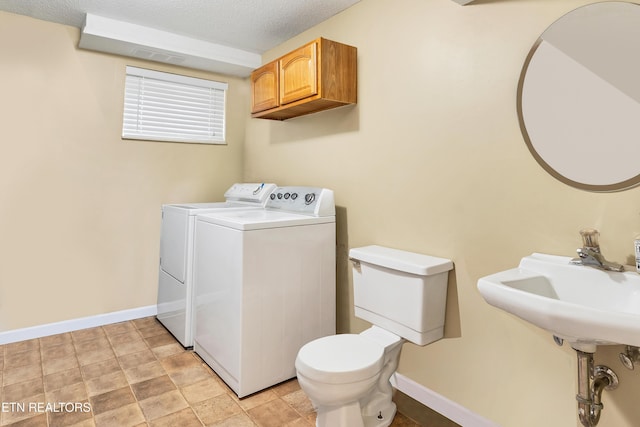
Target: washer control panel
[(249, 192), (305, 200)]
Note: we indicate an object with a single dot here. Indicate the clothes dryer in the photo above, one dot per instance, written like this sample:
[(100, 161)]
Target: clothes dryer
[(265, 286), (175, 281)]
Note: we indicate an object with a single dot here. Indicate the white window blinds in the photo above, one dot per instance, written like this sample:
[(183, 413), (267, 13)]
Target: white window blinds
[(169, 107)]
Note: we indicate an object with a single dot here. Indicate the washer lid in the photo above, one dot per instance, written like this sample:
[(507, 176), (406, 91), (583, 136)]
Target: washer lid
[(340, 359), (257, 219), (196, 208)]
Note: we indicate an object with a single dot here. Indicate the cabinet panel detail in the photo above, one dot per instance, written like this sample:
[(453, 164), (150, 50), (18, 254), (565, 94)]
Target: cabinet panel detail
[(298, 77), (264, 88)]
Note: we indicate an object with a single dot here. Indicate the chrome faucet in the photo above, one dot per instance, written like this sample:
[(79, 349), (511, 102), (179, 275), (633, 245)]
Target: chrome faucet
[(590, 255)]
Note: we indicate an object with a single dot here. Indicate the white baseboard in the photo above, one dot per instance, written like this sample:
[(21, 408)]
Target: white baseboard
[(76, 324), (450, 409)]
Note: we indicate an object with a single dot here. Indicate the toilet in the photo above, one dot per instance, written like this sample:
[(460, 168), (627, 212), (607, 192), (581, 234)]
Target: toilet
[(346, 376)]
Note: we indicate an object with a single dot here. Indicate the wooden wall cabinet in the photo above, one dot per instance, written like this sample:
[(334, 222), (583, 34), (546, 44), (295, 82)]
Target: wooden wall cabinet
[(318, 76)]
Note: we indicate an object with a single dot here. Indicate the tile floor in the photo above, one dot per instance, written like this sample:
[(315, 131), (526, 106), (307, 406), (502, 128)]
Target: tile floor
[(133, 374)]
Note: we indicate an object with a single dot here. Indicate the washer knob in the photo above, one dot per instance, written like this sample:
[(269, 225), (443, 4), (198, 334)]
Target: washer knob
[(309, 198), (272, 196), (279, 196), (294, 196)]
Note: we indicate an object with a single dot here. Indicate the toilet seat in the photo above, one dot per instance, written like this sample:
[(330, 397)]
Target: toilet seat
[(340, 359)]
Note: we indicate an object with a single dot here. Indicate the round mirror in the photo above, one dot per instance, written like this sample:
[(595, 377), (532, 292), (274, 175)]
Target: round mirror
[(579, 97)]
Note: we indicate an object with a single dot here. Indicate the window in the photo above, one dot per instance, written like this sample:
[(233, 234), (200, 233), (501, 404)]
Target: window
[(169, 107)]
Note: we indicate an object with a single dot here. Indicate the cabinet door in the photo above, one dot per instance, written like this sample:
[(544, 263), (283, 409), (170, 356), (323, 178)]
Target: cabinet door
[(264, 85), (298, 74)]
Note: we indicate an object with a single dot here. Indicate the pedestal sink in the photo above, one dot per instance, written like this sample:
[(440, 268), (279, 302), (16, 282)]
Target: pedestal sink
[(582, 305)]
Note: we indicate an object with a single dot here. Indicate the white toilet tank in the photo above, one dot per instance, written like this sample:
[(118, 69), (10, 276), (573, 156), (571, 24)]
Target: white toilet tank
[(402, 292)]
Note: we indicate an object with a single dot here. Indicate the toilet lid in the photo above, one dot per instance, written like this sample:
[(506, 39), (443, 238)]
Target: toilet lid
[(340, 359)]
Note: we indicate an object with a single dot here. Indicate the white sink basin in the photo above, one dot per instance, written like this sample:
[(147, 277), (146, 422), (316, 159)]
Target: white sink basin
[(582, 305)]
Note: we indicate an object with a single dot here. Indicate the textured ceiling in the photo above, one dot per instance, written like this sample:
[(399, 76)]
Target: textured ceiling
[(251, 25)]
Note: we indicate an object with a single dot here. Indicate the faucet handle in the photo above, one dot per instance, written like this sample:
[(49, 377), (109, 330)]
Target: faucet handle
[(590, 238)]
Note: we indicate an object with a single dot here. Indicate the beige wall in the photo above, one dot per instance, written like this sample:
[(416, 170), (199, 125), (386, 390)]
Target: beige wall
[(79, 207), (432, 160)]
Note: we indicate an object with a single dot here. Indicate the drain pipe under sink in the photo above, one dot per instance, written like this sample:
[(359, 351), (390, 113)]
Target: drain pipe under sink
[(592, 381)]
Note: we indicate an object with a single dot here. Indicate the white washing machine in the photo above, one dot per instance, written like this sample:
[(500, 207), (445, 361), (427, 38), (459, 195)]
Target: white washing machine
[(175, 280), (265, 286)]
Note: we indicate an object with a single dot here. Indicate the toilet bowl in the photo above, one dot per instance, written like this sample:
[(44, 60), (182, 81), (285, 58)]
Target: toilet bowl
[(346, 376)]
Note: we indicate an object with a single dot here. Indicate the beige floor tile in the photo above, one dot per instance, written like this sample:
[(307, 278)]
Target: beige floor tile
[(167, 350), (18, 391), (286, 387), (18, 347), (72, 393), (125, 416), (183, 418), (240, 420), (144, 372), (105, 383), (129, 347), (180, 361), (58, 351), (87, 334), (51, 366), (98, 369), (70, 416), (138, 358), (132, 335), (312, 418), (92, 345), (189, 375), (299, 401), (299, 422), (153, 387), (276, 413), (22, 373), (202, 390), (21, 409), (257, 399), (146, 322), (90, 422), (112, 400), (118, 328), (164, 404), (95, 356), (61, 379), (153, 329), (22, 358), (159, 340), (55, 340), (39, 420), (217, 409)]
